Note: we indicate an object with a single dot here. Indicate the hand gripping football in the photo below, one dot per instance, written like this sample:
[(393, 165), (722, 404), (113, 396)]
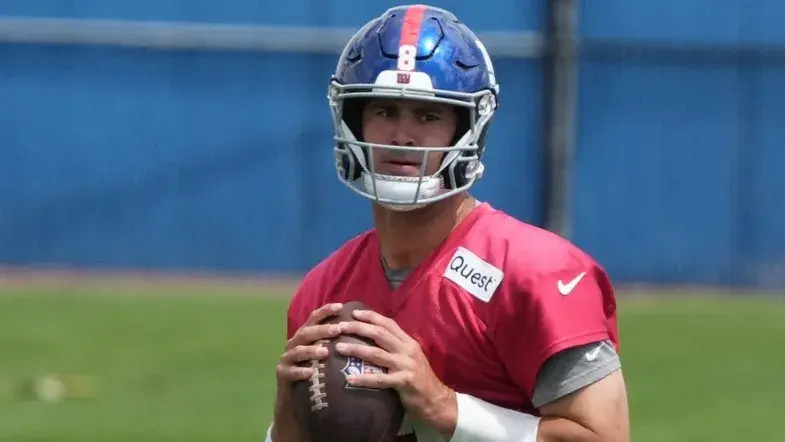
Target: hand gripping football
[(331, 410)]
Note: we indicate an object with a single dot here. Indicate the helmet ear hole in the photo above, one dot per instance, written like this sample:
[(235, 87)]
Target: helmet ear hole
[(353, 116), (461, 125), (455, 175), (350, 165)]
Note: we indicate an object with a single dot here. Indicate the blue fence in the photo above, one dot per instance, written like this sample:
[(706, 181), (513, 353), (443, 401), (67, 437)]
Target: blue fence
[(122, 157), (680, 152)]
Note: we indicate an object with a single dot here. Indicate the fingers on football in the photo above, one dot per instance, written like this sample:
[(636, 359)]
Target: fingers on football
[(293, 373), (379, 380), (374, 355), (304, 353), (381, 336), (292, 365), (307, 335), (382, 321), (322, 313)]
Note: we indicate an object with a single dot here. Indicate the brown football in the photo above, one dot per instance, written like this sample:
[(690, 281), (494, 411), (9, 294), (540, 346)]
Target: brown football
[(330, 410)]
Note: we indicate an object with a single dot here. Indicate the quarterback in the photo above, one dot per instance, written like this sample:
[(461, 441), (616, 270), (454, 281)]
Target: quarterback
[(491, 330)]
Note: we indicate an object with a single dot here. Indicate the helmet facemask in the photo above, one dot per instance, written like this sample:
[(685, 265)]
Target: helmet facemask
[(461, 163)]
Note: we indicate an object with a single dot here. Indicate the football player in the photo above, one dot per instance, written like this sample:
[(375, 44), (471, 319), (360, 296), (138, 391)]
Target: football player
[(490, 329)]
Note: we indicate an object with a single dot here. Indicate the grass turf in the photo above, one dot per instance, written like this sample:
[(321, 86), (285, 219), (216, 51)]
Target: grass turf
[(201, 368)]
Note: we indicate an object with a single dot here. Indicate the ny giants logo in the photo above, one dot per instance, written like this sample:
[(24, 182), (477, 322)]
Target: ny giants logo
[(404, 77), (473, 274)]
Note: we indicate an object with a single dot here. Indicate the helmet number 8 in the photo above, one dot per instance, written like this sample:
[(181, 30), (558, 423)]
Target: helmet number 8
[(406, 57)]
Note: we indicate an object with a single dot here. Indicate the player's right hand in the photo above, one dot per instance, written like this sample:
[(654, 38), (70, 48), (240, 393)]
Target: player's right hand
[(302, 346)]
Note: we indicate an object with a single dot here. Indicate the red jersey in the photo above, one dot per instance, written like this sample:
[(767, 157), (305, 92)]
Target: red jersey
[(488, 307)]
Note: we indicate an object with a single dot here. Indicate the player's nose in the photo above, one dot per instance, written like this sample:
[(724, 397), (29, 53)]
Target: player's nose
[(402, 134)]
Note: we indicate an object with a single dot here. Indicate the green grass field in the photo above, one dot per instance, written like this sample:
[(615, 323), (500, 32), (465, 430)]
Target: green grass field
[(201, 367)]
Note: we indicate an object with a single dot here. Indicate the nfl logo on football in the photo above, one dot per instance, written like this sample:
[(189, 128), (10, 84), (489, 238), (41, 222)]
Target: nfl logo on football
[(356, 366)]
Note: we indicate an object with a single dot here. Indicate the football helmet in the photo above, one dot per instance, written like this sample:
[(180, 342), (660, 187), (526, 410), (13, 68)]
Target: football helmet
[(413, 52)]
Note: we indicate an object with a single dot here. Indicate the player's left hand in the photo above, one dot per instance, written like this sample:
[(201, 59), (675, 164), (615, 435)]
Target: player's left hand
[(408, 371)]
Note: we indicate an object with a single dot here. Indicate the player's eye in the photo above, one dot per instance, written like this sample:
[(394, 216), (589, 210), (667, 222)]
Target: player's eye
[(384, 112), (430, 117)]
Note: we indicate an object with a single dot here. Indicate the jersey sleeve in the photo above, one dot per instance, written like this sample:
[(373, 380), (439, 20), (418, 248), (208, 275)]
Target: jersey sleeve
[(552, 312), (573, 369)]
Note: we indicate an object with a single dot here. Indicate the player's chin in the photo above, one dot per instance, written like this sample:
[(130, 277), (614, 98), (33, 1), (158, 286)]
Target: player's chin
[(399, 169)]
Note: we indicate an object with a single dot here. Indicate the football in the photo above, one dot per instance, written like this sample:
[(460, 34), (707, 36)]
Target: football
[(331, 410)]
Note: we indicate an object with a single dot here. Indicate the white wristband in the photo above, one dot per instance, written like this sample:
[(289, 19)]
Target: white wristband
[(269, 437), (480, 421)]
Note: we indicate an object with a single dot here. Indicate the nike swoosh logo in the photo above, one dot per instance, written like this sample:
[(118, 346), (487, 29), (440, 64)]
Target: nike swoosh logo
[(592, 355), (566, 289)]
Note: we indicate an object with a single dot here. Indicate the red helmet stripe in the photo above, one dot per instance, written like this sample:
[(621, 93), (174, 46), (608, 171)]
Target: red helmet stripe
[(410, 32)]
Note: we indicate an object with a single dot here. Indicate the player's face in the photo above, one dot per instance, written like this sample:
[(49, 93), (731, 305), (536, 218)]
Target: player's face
[(408, 123)]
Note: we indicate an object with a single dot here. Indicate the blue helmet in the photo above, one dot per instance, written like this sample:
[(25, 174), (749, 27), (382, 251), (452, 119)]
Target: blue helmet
[(422, 53)]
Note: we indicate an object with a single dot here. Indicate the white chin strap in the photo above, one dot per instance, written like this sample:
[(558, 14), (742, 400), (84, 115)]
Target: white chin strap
[(402, 188)]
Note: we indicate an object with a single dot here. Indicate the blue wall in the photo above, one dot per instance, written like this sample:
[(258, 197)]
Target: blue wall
[(679, 157), (198, 160), (495, 14), (125, 157)]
